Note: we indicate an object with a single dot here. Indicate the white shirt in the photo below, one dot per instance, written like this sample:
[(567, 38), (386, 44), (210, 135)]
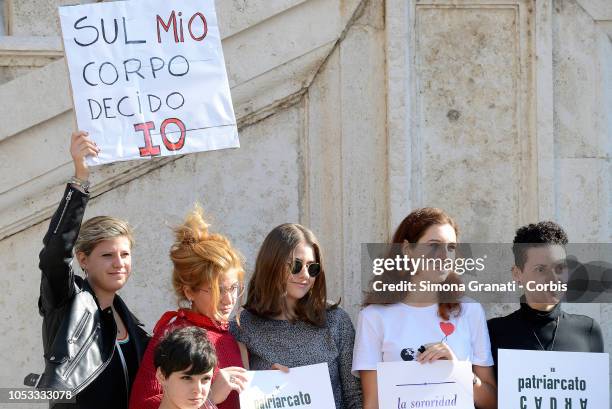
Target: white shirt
[(395, 332)]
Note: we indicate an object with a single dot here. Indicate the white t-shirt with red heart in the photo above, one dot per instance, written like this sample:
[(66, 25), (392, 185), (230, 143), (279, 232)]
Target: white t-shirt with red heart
[(395, 332)]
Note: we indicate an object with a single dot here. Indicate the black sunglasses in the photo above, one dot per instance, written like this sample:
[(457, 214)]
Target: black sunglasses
[(313, 268)]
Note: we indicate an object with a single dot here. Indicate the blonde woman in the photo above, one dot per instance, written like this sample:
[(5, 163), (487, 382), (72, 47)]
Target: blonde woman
[(92, 342), (208, 276)]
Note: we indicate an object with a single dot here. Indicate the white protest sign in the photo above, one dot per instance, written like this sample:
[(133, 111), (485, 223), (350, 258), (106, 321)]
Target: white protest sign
[(148, 77), (553, 380), (440, 384), (303, 387)]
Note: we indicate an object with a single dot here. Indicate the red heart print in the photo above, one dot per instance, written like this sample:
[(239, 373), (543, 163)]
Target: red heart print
[(447, 328)]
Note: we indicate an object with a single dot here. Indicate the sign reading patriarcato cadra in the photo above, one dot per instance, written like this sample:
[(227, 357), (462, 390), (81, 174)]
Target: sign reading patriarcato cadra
[(553, 380)]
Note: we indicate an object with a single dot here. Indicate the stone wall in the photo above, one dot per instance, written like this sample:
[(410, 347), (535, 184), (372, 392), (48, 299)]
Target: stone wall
[(2, 22), (353, 113)]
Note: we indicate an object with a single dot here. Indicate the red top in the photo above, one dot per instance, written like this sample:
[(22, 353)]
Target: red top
[(147, 392)]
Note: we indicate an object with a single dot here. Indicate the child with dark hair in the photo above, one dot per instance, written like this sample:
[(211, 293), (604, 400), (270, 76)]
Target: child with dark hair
[(184, 361), (540, 323)]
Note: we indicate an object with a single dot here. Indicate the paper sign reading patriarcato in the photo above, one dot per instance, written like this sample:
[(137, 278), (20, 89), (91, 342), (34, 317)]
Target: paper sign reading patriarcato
[(440, 384), (303, 387), (148, 78), (553, 380)]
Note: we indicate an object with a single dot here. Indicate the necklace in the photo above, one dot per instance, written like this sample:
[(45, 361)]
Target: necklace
[(552, 344)]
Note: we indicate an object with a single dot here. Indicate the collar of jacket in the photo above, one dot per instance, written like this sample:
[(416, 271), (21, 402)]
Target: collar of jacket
[(133, 325)]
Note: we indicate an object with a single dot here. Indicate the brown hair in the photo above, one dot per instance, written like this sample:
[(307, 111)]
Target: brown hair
[(101, 228), (267, 288), (200, 258), (410, 230)]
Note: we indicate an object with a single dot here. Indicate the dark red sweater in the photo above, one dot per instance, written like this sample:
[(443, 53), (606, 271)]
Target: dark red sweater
[(147, 392)]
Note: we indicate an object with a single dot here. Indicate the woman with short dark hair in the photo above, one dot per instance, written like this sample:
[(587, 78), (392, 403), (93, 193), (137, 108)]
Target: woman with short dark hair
[(541, 324), (184, 361)]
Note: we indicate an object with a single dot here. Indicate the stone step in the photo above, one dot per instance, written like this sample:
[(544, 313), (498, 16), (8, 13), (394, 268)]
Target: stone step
[(299, 36)]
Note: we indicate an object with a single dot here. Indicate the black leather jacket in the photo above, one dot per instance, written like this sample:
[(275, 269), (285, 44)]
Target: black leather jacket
[(78, 336)]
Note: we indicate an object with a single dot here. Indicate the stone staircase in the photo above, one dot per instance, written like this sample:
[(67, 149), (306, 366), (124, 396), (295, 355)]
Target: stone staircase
[(273, 50)]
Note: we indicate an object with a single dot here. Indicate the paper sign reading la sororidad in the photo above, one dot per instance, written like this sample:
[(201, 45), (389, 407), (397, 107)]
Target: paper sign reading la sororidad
[(440, 384), (148, 77), (553, 380), (307, 387)]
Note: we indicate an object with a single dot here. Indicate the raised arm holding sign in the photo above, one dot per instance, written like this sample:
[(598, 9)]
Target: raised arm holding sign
[(92, 342)]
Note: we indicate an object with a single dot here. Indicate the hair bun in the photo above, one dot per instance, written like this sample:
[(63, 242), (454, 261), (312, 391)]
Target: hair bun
[(188, 240), (194, 229)]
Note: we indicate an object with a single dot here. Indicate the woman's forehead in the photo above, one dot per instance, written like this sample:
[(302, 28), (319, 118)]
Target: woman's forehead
[(118, 242), (304, 251), (442, 233)]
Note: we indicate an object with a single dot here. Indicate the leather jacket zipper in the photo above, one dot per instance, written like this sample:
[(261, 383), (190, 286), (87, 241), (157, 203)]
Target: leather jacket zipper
[(78, 356), (93, 375), (79, 327), (68, 196)]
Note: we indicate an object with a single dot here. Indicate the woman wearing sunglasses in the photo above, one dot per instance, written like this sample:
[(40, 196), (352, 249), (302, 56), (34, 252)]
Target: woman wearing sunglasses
[(287, 320), (208, 277)]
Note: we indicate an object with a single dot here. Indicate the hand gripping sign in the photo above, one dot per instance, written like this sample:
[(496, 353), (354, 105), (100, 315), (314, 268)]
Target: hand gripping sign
[(148, 78), (305, 387), (440, 384)]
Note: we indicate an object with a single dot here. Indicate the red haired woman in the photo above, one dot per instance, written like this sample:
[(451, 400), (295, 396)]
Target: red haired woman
[(433, 325), (208, 275)]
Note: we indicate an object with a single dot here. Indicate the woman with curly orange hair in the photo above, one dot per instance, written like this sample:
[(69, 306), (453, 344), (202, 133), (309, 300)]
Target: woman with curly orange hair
[(208, 276)]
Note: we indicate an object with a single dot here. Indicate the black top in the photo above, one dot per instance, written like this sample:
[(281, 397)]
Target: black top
[(108, 390), (531, 329)]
